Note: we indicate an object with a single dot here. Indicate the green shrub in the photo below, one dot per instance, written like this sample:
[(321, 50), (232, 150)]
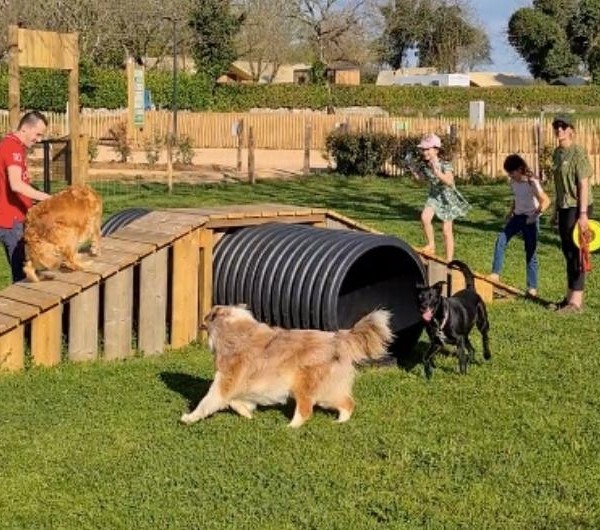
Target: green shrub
[(362, 153)]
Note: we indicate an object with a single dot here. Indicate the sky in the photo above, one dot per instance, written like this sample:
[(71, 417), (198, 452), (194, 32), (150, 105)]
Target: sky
[(494, 15)]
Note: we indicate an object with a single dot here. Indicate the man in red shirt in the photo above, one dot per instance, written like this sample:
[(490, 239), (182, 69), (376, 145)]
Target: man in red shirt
[(16, 193)]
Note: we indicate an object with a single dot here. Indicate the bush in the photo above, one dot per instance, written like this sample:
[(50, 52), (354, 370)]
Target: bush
[(366, 153), (121, 143), (185, 150), (362, 153), (100, 88), (152, 148)]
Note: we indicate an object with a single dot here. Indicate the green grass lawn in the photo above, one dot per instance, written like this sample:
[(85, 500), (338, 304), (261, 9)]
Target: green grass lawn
[(512, 445)]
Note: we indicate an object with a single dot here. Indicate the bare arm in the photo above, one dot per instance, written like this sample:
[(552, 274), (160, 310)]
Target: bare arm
[(18, 186), (543, 199), (583, 195), (447, 177)]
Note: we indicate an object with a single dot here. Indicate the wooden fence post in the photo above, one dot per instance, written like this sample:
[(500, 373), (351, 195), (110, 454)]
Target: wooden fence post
[(240, 146), (251, 160), (307, 146)]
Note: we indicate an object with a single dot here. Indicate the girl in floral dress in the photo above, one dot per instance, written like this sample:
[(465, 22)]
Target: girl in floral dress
[(444, 200)]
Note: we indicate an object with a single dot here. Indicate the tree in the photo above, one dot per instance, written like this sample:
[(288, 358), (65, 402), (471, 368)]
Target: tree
[(325, 24), (542, 44), (214, 27), (440, 31), (558, 37), (265, 36)]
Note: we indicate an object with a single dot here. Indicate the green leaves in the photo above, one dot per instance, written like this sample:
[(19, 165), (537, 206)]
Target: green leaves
[(441, 32), (556, 37), (215, 28)]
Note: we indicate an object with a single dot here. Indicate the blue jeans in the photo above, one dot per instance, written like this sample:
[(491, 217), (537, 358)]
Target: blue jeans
[(518, 224), (12, 239)]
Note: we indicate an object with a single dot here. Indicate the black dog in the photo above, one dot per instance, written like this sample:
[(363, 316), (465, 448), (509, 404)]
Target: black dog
[(450, 320)]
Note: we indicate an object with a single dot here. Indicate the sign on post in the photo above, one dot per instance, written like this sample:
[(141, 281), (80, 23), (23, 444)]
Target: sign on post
[(136, 99), (139, 99), (476, 114)]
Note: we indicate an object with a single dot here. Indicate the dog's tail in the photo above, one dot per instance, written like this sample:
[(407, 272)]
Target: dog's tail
[(464, 268), (369, 338)]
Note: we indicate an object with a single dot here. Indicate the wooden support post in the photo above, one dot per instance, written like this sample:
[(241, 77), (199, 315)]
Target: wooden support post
[(74, 118), (84, 160), (46, 335), (184, 307), (307, 146), (205, 277), (251, 156), (84, 312), (152, 320), (14, 91), (118, 315), (437, 272), (240, 146), (170, 147), (12, 355)]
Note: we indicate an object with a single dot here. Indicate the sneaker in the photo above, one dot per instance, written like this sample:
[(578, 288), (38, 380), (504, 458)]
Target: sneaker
[(493, 277), (531, 293), (569, 308)]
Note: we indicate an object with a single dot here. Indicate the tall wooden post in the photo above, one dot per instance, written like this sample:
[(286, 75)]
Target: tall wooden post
[(14, 92), (307, 145), (76, 169), (251, 154)]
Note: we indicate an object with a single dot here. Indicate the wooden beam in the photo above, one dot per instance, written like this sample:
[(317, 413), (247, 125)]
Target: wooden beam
[(14, 90), (118, 315), (184, 307), (152, 320), (205, 277), (12, 351), (46, 337), (84, 312)]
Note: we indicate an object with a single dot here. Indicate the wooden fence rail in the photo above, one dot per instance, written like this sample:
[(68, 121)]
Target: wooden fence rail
[(487, 147)]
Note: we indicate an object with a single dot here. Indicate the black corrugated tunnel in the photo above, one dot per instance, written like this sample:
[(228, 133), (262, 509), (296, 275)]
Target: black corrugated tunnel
[(122, 219), (298, 276)]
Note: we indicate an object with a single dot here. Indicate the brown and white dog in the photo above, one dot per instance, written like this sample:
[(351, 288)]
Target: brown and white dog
[(257, 364), (57, 227)]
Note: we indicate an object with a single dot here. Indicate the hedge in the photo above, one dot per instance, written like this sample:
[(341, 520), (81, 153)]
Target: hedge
[(47, 90)]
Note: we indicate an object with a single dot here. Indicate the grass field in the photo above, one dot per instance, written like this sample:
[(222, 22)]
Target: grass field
[(513, 445)]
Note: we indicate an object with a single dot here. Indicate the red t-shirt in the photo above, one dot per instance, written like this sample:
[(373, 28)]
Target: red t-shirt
[(13, 206)]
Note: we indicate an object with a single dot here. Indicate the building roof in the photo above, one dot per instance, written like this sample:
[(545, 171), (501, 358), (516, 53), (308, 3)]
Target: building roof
[(498, 79)]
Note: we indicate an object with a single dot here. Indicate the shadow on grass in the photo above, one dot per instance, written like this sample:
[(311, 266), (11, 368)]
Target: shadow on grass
[(193, 389)]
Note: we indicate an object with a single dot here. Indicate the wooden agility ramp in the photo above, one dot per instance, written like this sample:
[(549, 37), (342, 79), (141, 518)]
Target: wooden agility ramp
[(150, 287)]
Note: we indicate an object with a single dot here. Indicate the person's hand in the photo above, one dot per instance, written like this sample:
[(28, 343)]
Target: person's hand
[(554, 220), (583, 223), (532, 218)]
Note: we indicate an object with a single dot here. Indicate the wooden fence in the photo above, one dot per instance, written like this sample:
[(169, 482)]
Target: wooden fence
[(483, 150)]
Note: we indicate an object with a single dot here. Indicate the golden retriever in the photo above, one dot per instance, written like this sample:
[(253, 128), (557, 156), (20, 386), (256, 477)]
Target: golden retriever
[(257, 364), (57, 227)]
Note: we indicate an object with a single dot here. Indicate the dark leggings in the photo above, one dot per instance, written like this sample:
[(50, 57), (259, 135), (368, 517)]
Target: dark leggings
[(567, 219)]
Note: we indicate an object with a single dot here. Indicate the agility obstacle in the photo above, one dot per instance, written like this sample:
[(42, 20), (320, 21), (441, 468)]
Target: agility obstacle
[(160, 271)]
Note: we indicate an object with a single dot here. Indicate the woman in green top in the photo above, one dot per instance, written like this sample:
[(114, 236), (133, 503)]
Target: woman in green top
[(572, 171), (444, 201)]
